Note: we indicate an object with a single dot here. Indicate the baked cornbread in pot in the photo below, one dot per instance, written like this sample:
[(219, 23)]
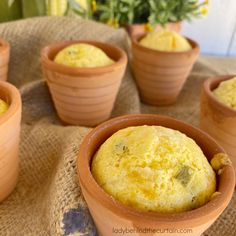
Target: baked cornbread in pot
[(161, 63), (108, 212), (10, 120), (218, 113), (84, 78)]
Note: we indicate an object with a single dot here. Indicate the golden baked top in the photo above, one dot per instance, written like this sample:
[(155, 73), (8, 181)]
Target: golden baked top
[(83, 55), (166, 40), (3, 107), (226, 92), (154, 168)]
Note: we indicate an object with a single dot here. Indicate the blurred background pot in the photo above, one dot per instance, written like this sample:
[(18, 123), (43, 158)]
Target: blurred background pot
[(4, 59), (110, 214), (9, 139), (161, 75), (83, 96), (217, 119)]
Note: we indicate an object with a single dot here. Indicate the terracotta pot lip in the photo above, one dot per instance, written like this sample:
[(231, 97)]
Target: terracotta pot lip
[(15, 101), (215, 81), (85, 175), (170, 22), (4, 45), (136, 39), (46, 61)]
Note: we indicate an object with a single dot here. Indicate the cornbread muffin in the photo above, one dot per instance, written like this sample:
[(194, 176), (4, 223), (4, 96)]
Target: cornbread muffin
[(3, 107), (154, 168), (166, 41), (83, 55), (226, 92)]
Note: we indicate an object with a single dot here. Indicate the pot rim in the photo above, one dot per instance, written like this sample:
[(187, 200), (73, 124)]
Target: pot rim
[(4, 45), (212, 83), (143, 24), (15, 102), (50, 64), (216, 205), (194, 44), (169, 22)]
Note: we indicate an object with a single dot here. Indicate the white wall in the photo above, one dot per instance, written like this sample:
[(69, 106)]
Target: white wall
[(216, 32)]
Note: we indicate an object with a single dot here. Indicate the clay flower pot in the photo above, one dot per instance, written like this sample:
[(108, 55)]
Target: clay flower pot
[(161, 75), (4, 59), (83, 96), (217, 119), (110, 215), (9, 139), (138, 29)]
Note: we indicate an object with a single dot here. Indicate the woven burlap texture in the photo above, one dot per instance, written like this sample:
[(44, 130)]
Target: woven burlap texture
[(48, 199)]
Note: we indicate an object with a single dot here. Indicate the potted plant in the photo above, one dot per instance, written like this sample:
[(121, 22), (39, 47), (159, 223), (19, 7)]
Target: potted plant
[(139, 16)]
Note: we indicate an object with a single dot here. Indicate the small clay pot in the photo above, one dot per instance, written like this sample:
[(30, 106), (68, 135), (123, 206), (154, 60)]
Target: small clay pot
[(137, 29), (160, 75), (4, 59), (218, 119), (83, 96), (109, 214), (9, 139)]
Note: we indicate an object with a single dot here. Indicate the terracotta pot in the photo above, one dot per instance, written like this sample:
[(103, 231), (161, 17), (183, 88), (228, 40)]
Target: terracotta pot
[(9, 139), (110, 214), (4, 59), (218, 119), (83, 96), (160, 76), (138, 29)]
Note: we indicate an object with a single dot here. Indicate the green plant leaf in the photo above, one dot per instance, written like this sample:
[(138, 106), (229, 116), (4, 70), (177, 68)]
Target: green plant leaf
[(12, 12), (154, 11), (33, 8)]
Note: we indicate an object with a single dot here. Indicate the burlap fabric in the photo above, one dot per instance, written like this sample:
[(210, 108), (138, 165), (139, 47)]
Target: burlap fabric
[(48, 199)]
